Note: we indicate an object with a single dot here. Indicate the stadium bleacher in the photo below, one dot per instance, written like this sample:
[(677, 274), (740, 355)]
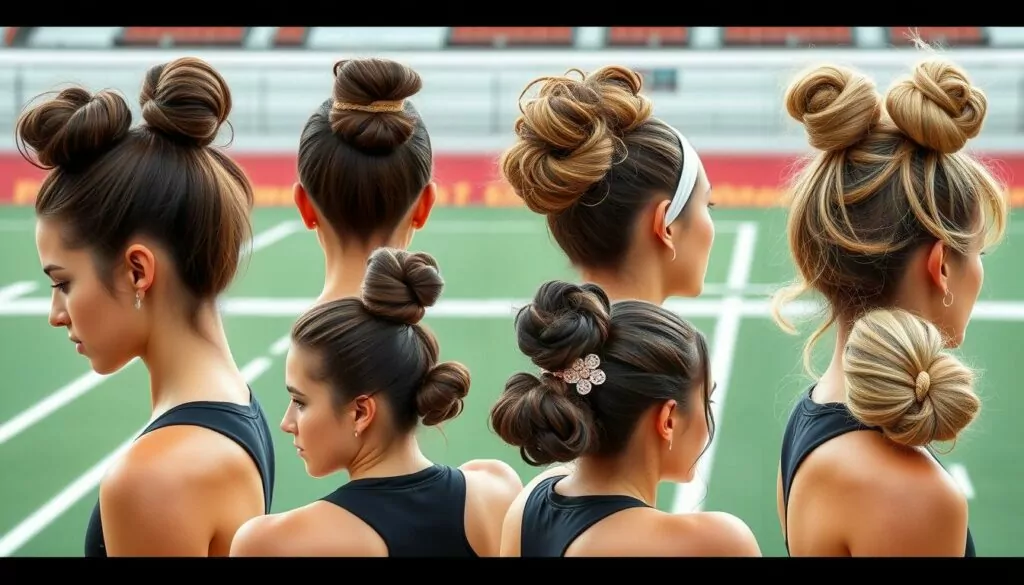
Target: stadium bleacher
[(422, 38)]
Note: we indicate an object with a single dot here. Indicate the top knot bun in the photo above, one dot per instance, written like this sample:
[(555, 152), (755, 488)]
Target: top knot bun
[(361, 83), (837, 106), (937, 107), (186, 99), (74, 127), (568, 136), (400, 285)]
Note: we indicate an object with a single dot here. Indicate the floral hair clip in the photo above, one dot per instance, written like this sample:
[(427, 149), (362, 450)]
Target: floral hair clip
[(584, 373)]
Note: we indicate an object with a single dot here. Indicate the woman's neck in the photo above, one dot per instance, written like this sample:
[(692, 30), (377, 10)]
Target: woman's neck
[(401, 456), (629, 475), (632, 284), (831, 385), (345, 268), (189, 362)]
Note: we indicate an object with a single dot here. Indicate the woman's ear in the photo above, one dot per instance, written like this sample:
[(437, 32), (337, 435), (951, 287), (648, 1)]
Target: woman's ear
[(307, 211)]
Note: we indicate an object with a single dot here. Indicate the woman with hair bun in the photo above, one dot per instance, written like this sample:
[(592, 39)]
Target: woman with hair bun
[(625, 195), (140, 229), (365, 169), (624, 391), (363, 374), (888, 224)]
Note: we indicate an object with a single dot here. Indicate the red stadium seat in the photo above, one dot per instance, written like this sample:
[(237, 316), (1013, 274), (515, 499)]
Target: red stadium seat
[(530, 36), (290, 36), (648, 36), (194, 36), (944, 35), (786, 36), (11, 35)]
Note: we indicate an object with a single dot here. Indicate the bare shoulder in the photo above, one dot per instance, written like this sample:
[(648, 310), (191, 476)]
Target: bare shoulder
[(176, 450), (319, 529), (493, 479), (163, 466), (708, 534), (903, 503), (160, 498)]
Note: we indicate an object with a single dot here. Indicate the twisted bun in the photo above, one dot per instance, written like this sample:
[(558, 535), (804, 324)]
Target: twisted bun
[(569, 136), (563, 323), (361, 82), (539, 415), (73, 128), (400, 285), (186, 100), (901, 379), (937, 107), (837, 106), (441, 396)]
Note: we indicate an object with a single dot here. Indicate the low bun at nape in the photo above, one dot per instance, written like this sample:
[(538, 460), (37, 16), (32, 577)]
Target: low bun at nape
[(901, 379)]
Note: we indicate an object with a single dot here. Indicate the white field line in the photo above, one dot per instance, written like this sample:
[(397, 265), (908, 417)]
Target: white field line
[(45, 407), (960, 476), (36, 522), (519, 226), (275, 234), (17, 289), (688, 496), (89, 380), (506, 308)]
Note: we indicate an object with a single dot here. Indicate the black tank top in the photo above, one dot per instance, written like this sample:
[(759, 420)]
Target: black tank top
[(422, 514), (552, 521), (811, 425), (246, 425)]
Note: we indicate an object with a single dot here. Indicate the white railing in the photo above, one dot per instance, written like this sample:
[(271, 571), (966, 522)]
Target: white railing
[(470, 96)]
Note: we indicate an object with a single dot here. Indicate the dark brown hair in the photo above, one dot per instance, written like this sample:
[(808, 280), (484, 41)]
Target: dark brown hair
[(110, 182), (590, 157), (648, 354), (376, 344), (364, 169), (889, 179)]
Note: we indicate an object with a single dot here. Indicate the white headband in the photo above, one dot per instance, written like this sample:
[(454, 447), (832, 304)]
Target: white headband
[(687, 180)]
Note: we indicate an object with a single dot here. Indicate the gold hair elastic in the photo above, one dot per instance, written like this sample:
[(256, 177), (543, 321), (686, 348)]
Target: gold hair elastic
[(379, 106)]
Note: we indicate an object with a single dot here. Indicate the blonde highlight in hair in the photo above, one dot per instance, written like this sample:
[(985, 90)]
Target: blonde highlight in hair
[(589, 156), (901, 379), (889, 178)]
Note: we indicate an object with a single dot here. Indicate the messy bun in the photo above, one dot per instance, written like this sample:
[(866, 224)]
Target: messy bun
[(644, 354), (375, 343), (901, 379), (400, 285), (369, 103), (570, 136), (836, 105), (937, 107), (890, 180), (186, 100), (589, 155)]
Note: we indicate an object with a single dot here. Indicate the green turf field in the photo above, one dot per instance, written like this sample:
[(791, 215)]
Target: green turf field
[(60, 423)]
